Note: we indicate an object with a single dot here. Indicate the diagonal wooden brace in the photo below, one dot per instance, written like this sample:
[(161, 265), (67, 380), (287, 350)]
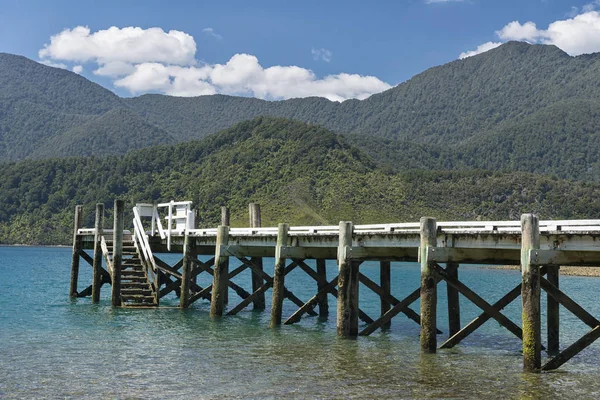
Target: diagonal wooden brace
[(250, 298), (479, 302), (310, 304), (393, 301), (483, 317), (573, 349)]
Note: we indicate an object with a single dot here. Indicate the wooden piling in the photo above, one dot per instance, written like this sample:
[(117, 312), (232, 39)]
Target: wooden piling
[(279, 276), (428, 287), (553, 316), (76, 249), (225, 219), (385, 283), (220, 275), (257, 280), (321, 283), (530, 294), (117, 252), (453, 301), (186, 272), (97, 265), (347, 310), (225, 216)]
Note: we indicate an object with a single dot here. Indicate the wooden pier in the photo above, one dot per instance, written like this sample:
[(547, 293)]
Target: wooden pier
[(139, 278)]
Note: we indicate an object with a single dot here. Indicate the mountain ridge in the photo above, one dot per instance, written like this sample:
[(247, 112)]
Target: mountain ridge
[(443, 111)]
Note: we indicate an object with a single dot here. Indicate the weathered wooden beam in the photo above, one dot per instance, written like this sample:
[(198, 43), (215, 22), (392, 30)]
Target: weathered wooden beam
[(393, 301), (479, 302), (573, 349), (385, 285), (322, 282), (87, 258), (221, 274), (279, 276), (552, 257), (257, 281), (225, 216), (203, 294), (569, 303), (88, 291), (225, 221), (428, 287), (530, 294), (475, 255), (453, 301), (553, 314), (117, 252), (244, 303), (311, 303), (97, 263), (481, 319), (347, 299), (186, 272), (77, 247)]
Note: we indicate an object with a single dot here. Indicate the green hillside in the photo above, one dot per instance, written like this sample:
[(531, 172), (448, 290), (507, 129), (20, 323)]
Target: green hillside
[(517, 107), (301, 174)]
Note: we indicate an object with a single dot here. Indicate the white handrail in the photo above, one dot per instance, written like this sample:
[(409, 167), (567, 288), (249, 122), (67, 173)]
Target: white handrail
[(142, 238)]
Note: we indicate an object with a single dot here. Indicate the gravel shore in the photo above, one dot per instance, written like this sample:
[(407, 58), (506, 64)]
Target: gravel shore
[(573, 271)]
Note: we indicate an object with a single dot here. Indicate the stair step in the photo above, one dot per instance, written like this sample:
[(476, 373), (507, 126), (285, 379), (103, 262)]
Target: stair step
[(132, 274), (135, 285), (136, 268), (134, 292), (141, 305), (139, 298), (133, 279)]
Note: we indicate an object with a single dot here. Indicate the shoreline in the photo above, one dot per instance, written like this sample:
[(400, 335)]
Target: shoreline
[(592, 272)]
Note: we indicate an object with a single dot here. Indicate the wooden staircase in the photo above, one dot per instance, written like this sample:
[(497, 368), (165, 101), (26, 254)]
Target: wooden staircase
[(136, 288)]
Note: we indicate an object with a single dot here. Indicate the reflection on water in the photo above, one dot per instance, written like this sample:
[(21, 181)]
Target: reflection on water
[(55, 347)]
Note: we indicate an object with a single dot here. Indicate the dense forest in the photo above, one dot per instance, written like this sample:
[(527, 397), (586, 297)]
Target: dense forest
[(520, 107), (300, 173)]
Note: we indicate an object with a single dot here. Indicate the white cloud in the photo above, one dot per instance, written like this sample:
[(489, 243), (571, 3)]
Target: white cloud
[(151, 60), (577, 35), (243, 75), (322, 54), (77, 69), (129, 44), (211, 32), (482, 48), (515, 31)]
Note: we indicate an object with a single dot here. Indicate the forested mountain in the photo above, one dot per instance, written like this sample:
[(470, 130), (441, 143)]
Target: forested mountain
[(300, 173), (518, 107)]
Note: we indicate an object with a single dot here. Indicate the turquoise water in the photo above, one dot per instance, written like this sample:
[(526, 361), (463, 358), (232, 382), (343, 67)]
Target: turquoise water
[(52, 347)]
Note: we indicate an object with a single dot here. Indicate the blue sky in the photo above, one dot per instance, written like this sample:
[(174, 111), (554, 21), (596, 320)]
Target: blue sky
[(363, 47)]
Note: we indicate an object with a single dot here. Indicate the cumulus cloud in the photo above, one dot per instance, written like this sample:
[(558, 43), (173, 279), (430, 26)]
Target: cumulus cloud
[(77, 69), (152, 60), (243, 75), (322, 54), (577, 35), (119, 46)]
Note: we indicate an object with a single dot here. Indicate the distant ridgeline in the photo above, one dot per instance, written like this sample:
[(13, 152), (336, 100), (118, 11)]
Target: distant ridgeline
[(522, 107), (300, 173)]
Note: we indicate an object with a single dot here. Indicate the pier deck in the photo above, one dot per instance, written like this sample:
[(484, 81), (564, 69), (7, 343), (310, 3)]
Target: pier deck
[(539, 247)]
